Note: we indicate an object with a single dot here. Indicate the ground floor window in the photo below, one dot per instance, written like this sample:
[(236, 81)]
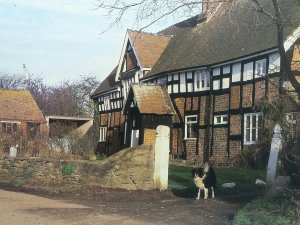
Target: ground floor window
[(190, 127), (102, 134), (9, 127), (252, 127), (222, 119)]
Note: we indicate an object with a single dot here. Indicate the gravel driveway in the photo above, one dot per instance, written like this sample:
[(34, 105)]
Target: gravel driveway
[(94, 205)]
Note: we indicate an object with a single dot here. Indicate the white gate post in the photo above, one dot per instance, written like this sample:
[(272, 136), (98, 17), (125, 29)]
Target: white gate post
[(276, 146), (161, 164)]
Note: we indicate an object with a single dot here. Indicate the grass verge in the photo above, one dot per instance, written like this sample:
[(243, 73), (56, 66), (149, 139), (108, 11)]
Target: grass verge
[(282, 210)]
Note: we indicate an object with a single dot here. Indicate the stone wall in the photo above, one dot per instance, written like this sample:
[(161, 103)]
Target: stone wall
[(129, 169)]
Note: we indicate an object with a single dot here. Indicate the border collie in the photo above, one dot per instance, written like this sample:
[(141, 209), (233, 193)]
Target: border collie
[(204, 179)]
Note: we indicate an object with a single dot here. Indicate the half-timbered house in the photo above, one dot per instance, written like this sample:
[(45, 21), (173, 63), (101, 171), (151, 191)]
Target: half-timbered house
[(215, 67)]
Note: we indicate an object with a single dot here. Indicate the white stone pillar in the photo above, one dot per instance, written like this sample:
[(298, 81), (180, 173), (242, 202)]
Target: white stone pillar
[(276, 146), (161, 164)]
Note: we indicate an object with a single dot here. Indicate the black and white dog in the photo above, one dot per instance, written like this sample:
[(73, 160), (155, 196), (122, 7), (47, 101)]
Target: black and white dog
[(204, 179)]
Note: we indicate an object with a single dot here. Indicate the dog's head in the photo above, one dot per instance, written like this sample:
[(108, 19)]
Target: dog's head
[(199, 172)]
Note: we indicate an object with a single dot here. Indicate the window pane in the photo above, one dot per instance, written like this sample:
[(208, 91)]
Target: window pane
[(253, 121), (253, 134), (191, 130), (247, 135), (248, 71), (225, 83), (226, 69), (216, 71), (191, 119), (216, 84), (247, 121), (225, 119)]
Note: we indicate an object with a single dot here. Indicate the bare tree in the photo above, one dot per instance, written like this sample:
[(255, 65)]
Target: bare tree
[(8, 81), (71, 98), (148, 12)]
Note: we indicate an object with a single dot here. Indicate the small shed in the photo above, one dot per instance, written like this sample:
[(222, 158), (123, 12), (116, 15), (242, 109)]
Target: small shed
[(19, 113), (147, 106)]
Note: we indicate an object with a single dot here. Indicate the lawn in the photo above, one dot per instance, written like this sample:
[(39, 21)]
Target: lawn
[(180, 178)]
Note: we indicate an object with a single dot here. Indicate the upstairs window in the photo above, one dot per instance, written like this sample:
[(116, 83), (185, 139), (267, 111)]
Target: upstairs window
[(252, 128), (9, 127), (202, 80), (236, 72), (190, 127), (260, 68), (106, 103), (248, 71)]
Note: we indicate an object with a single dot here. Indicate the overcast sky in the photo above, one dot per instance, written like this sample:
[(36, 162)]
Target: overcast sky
[(58, 39)]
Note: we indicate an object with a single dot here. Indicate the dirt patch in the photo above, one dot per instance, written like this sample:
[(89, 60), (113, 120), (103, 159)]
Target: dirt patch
[(117, 206)]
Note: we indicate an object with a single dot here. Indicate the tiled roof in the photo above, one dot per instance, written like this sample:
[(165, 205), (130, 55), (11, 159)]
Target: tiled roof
[(19, 106), (152, 99), (228, 34), (107, 84), (148, 47)]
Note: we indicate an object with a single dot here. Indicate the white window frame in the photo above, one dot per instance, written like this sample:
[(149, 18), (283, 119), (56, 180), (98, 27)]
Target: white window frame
[(222, 119), (10, 123), (226, 69), (202, 80), (236, 72), (252, 116), (216, 71), (102, 134), (216, 85), (106, 103), (225, 83), (260, 68), (186, 124), (248, 74)]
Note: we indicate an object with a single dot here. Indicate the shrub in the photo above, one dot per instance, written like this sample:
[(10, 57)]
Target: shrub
[(28, 172), (68, 169)]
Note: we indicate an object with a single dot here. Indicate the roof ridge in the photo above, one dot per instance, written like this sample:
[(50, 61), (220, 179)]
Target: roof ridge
[(149, 33)]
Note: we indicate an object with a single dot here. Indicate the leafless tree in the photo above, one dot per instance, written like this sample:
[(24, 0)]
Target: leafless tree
[(148, 12), (8, 81), (71, 98)]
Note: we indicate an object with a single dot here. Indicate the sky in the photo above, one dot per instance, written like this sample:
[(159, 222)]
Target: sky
[(59, 39)]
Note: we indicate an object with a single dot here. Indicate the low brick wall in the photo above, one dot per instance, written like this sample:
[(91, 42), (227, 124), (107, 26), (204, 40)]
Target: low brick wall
[(129, 169)]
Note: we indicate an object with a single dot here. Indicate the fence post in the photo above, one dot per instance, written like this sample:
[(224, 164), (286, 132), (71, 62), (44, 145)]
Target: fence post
[(161, 151)]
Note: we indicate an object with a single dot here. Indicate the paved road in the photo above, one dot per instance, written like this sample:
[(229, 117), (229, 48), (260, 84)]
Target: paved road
[(24, 209)]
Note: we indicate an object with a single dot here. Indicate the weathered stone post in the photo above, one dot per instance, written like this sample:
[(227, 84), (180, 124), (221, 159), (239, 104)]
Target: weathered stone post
[(161, 163), (273, 158)]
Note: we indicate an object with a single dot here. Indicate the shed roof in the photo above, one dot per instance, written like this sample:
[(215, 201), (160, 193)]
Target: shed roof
[(151, 99), (19, 106)]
